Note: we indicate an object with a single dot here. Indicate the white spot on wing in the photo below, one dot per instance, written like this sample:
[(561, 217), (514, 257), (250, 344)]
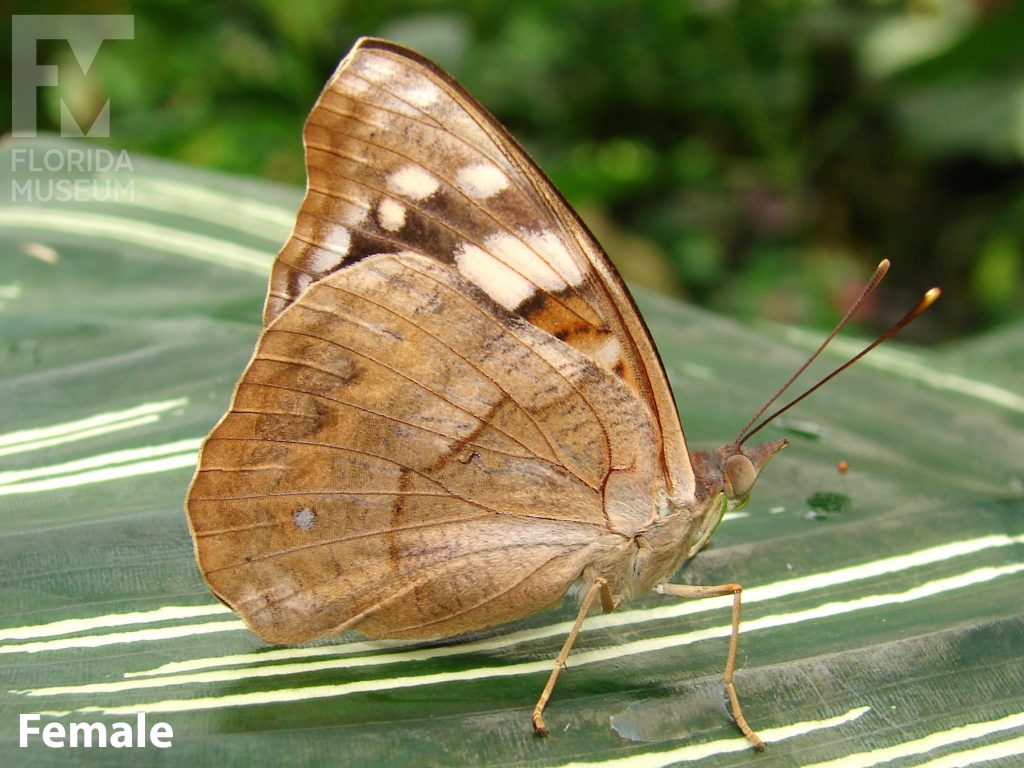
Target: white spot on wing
[(498, 281), (337, 240), (548, 245), (304, 518), (353, 213), (330, 252), (353, 84), (413, 182), (606, 353), (481, 180), (302, 280), (422, 94), (391, 214), (378, 69), (320, 262), (518, 255)]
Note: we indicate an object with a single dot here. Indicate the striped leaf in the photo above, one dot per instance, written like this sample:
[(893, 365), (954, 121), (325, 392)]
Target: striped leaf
[(882, 619)]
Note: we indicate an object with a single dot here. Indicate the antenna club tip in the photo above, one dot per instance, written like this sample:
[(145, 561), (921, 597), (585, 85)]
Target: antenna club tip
[(931, 295), (884, 264)]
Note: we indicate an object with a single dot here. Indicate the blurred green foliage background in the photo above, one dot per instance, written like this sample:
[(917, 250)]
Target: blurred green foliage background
[(758, 158)]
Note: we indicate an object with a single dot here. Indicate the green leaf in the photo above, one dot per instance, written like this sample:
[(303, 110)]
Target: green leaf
[(889, 631)]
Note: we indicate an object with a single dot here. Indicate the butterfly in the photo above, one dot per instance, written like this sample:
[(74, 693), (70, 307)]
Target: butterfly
[(454, 413)]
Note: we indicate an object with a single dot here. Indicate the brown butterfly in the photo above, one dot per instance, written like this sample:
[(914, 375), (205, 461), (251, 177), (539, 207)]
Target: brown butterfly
[(454, 413)]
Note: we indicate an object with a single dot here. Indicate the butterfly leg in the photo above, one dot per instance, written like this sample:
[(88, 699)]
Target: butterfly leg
[(696, 592), (600, 586)]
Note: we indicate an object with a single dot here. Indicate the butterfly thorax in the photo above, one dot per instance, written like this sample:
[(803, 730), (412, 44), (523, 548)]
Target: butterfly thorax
[(683, 527)]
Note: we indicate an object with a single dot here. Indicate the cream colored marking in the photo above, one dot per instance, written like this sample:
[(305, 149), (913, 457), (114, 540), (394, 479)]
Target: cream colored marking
[(328, 253), (608, 353), (41, 252), (987, 753), (377, 68), (302, 281), (650, 645), (32, 439), (352, 211), (338, 240), (498, 281), (114, 638), (103, 468), (122, 229), (11, 291), (548, 245), (481, 180), (391, 214), (926, 744), (902, 363), (351, 83), (423, 94), (513, 252), (73, 626), (413, 182), (320, 262), (694, 752)]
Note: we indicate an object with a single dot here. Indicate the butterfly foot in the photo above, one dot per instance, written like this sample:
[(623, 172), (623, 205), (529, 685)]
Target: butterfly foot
[(539, 728)]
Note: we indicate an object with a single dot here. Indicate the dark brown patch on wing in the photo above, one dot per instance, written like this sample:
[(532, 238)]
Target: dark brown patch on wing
[(598, 343)]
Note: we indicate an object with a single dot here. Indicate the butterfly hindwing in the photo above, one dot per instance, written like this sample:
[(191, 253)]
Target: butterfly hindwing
[(400, 157), (403, 459)]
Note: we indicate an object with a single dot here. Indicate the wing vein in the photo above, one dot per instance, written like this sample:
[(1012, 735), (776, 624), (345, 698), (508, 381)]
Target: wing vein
[(347, 449), (401, 374), (444, 224), (543, 433), (476, 308), (343, 540), (383, 415)]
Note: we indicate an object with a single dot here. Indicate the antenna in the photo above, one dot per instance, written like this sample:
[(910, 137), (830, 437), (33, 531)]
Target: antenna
[(869, 287), (929, 298)]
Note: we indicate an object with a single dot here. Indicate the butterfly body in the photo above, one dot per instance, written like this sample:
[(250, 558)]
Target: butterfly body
[(454, 412)]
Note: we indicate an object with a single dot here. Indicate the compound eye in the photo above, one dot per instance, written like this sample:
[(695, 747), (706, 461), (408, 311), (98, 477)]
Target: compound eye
[(739, 475)]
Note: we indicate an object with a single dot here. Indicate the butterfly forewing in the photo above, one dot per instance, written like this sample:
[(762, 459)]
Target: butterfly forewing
[(400, 157)]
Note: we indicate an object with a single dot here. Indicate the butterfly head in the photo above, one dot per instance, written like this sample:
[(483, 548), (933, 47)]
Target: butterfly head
[(732, 470), (741, 468), (724, 480)]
